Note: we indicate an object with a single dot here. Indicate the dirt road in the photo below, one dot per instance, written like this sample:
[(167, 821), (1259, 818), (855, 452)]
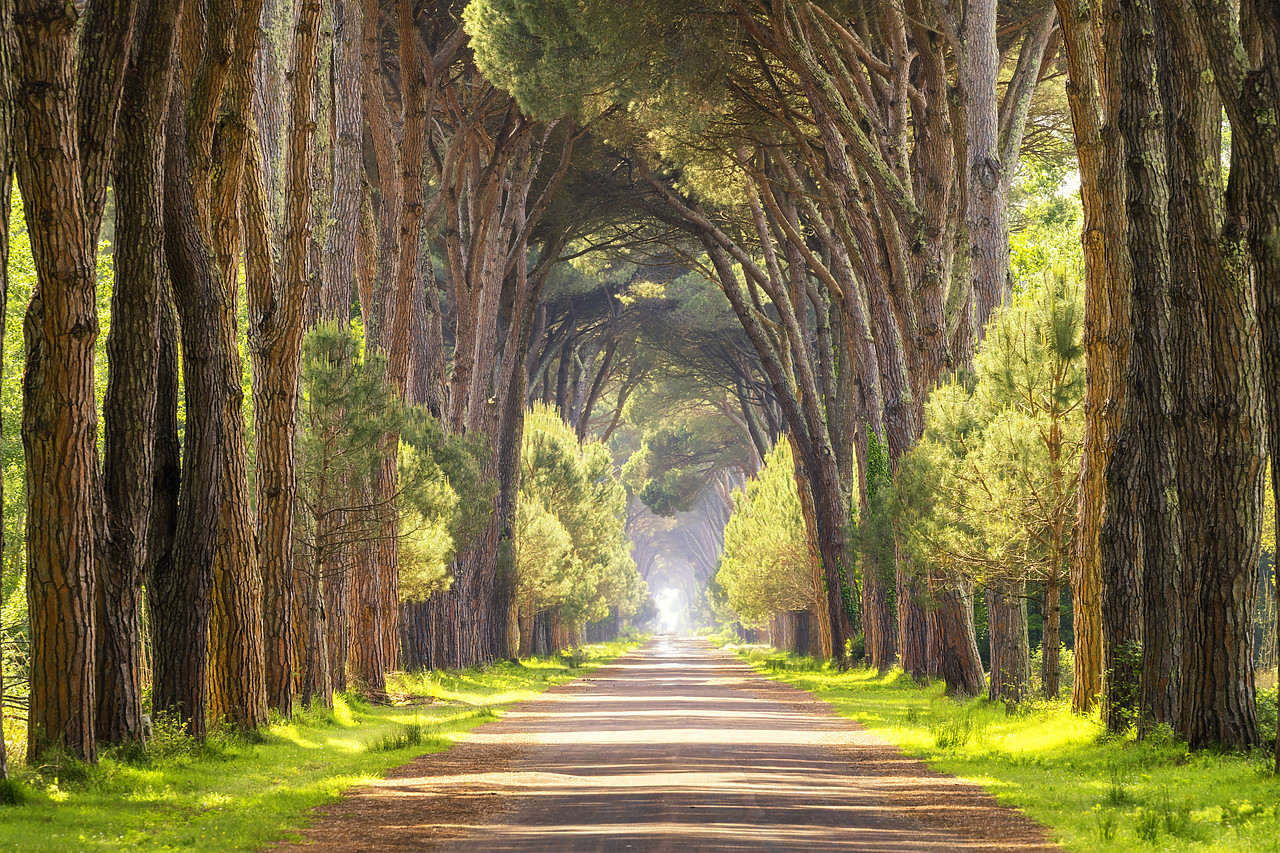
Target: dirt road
[(675, 747)]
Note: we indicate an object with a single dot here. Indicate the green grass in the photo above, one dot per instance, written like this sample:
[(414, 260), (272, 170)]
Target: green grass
[(241, 792), (1093, 792)]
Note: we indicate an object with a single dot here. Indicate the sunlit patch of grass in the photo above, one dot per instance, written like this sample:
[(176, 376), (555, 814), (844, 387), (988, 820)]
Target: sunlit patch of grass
[(1093, 792), (234, 792)]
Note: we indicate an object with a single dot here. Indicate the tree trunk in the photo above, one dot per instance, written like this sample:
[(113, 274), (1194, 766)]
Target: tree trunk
[(1222, 450), (809, 512), (1099, 150), (59, 420), (180, 606), (1150, 416), (958, 661), (1245, 58), (163, 586), (371, 616), (913, 618), (129, 409), (341, 241), (1010, 655), (316, 680), (1119, 561), (978, 65), (237, 689), (1051, 637), (275, 340), (6, 201), (365, 616), (334, 575)]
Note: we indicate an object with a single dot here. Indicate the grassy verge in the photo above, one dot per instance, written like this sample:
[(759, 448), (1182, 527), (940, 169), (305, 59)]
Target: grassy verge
[(241, 792), (1093, 792)]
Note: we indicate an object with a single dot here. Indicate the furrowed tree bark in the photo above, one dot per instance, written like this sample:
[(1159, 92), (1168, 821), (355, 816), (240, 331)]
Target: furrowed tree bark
[(183, 588), (1222, 450), (180, 605), (375, 614), (64, 123), (977, 66), (958, 661), (129, 408), (166, 607), (1099, 152), (1010, 655), (237, 690), (339, 275), (274, 382), (1244, 56), (275, 341), (1119, 561), (1150, 416)]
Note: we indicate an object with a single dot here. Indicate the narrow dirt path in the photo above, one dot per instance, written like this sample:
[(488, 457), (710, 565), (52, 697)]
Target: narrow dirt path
[(675, 747)]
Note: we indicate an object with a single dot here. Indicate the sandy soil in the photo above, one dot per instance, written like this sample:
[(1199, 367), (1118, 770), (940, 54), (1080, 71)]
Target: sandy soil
[(675, 747)]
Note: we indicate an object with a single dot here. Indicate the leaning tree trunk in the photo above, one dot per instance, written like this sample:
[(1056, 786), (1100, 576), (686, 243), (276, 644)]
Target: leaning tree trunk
[(129, 409), (179, 591), (959, 664)]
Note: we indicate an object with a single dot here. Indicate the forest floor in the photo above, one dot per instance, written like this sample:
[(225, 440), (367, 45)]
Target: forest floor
[(676, 746)]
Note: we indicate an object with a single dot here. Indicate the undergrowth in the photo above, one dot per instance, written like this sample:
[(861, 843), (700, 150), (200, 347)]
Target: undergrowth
[(1093, 791), (240, 791)]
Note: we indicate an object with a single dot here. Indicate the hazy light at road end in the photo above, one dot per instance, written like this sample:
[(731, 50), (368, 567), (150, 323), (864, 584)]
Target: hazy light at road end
[(669, 601)]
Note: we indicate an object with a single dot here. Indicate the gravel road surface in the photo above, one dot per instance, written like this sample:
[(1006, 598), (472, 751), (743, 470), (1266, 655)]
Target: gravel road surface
[(675, 747)]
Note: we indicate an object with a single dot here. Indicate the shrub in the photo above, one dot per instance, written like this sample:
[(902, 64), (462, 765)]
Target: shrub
[(413, 734), (12, 793), (954, 731), (1266, 703)]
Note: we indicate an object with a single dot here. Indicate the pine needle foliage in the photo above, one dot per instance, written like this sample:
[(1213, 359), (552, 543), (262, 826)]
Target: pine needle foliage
[(765, 568)]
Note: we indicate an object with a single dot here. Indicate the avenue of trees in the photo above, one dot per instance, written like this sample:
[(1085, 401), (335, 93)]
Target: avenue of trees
[(268, 168), (353, 242), (842, 171)]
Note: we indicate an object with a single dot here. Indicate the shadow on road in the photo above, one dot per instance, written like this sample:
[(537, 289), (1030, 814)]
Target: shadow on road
[(681, 747)]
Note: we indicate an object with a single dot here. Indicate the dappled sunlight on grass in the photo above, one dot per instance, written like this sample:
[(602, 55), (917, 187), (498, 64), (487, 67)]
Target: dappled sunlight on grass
[(237, 793), (1093, 791)]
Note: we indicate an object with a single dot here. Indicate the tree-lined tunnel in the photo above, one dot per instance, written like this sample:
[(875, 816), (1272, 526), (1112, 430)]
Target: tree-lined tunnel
[(347, 336)]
